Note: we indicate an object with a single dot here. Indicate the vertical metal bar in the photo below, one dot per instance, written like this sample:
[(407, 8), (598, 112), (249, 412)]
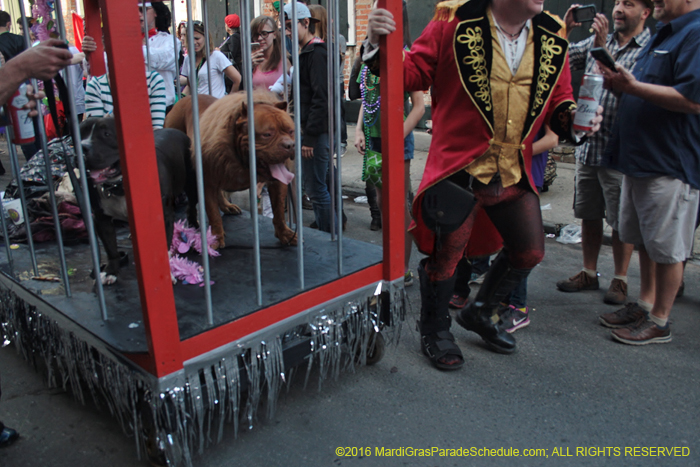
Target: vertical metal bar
[(15, 162), (145, 34), (334, 32), (205, 12), (178, 96), (331, 113), (285, 68), (20, 186), (285, 72), (6, 237), (248, 70), (198, 166), (297, 142)]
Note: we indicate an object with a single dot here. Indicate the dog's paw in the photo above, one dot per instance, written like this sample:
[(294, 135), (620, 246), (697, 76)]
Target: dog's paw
[(107, 279), (287, 237), (231, 209), (218, 243)]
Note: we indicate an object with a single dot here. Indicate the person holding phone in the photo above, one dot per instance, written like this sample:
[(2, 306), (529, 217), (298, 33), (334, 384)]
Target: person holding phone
[(659, 156), (267, 54), (597, 190), (219, 66)]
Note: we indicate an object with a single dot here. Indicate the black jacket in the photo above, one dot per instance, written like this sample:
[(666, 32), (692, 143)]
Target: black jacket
[(313, 92), (232, 49), (11, 45)]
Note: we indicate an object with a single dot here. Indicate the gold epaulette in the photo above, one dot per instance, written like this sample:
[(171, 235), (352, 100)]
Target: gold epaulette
[(445, 11)]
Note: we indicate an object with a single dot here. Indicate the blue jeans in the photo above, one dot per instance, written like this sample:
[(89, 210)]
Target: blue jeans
[(518, 297), (315, 174)]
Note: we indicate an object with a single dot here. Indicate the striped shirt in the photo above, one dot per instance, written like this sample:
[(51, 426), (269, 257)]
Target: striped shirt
[(591, 152), (98, 98)]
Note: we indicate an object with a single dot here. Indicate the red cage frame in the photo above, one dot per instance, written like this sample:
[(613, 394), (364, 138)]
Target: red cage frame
[(166, 352)]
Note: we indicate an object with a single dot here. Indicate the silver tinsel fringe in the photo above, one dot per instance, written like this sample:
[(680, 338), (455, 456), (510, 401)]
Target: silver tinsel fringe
[(183, 413)]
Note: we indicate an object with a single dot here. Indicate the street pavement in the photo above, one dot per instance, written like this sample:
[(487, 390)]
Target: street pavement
[(569, 391)]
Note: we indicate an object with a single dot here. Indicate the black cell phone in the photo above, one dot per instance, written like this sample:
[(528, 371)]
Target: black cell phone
[(584, 13), (603, 56)]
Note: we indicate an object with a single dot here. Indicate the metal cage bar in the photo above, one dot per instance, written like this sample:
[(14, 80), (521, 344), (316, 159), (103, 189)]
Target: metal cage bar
[(333, 32), (206, 44), (145, 34), (176, 82), (14, 161), (297, 141), (198, 167), (248, 70)]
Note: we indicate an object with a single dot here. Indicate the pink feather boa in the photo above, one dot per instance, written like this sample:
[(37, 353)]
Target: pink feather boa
[(184, 239)]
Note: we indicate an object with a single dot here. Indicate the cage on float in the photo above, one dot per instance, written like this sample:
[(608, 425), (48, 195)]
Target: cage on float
[(175, 361)]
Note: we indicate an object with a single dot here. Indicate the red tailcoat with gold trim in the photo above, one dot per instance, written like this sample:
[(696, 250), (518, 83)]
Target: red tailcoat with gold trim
[(453, 55)]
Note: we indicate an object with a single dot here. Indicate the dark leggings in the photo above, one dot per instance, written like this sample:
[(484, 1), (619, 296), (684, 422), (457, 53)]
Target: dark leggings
[(514, 211)]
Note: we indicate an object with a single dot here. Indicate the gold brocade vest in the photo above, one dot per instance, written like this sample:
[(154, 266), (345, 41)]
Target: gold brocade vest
[(510, 96)]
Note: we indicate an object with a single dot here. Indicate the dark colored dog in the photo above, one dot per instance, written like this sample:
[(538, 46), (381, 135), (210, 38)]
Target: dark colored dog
[(99, 142)]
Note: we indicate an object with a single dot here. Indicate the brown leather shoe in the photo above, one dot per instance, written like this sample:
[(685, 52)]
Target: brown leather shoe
[(617, 293), (580, 281), (625, 316), (643, 333)]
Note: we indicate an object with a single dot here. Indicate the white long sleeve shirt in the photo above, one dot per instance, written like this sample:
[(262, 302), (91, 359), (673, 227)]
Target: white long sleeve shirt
[(163, 59)]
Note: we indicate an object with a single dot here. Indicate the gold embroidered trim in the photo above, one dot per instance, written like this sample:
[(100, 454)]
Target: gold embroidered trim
[(474, 40), (446, 11), (549, 50)]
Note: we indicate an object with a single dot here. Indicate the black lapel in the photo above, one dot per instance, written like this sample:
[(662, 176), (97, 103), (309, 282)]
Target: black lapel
[(473, 55), (550, 57)]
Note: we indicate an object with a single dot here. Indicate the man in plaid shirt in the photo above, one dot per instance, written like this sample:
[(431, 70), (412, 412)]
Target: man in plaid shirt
[(597, 194)]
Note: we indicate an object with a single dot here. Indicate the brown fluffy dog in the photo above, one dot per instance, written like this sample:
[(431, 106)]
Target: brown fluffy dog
[(224, 139)]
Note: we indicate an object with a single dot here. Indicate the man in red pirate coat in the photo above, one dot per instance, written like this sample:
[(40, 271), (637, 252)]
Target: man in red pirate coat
[(498, 72)]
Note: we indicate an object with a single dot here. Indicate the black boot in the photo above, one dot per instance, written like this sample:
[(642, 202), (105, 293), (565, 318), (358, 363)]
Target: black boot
[(374, 210), (481, 315), (462, 290), (437, 342)]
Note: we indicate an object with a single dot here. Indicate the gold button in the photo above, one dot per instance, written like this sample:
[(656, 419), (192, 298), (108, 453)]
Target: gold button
[(510, 122)]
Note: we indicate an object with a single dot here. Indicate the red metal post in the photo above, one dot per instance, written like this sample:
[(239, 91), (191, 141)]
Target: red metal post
[(138, 160), (393, 197), (93, 28)]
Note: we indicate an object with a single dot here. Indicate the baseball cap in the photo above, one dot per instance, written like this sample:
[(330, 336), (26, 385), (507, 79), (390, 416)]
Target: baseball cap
[(302, 12), (233, 21)]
